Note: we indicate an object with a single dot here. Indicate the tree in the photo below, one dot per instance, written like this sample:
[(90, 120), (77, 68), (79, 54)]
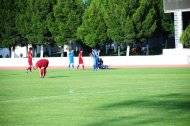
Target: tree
[(112, 16), (93, 31), (165, 23), (144, 20), (185, 37), (130, 21), (9, 36), (128, 28), (21, 22), (131, 18), (65, 21), (32, 21), (141, 23), (39, 12), (115, 15)]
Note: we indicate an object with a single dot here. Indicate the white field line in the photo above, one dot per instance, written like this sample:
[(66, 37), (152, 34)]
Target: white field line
[(31, 99), (70, 93)]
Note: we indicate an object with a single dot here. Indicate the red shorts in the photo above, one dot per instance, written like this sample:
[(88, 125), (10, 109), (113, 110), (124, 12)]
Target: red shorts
[(30, 61), (80, 61)]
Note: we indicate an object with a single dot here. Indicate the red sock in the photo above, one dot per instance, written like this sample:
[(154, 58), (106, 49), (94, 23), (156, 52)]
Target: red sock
[(83, 67)]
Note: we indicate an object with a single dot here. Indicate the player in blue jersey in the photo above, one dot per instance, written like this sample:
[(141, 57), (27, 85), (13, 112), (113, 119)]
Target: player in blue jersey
[(95, 57), (71, 59)]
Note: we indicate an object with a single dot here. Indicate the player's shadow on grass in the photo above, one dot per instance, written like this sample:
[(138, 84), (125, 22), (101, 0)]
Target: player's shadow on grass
[(61, 76)]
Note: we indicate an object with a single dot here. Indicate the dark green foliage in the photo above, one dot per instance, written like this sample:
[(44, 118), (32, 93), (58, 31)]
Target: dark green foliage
[(113, 14), (185, 37), (166, 19), (32, 20), (93, 31), (130, 20), (144, 20), (65, 21), (8, 32)]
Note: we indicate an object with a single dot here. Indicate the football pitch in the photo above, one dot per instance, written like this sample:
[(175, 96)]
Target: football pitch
[(114, 97)]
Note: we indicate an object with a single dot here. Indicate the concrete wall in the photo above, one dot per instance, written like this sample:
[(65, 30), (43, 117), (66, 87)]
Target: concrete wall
[(169, 57), (111, 61)]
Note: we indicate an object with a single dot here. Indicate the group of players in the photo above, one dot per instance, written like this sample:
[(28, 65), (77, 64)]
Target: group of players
[(95, 56), (71, 59), (42, 64)]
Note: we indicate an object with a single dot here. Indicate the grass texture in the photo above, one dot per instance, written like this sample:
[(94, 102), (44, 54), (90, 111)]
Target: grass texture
[(114, 97)]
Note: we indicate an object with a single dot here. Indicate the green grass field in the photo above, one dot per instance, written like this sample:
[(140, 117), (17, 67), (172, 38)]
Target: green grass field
[(115, 97)]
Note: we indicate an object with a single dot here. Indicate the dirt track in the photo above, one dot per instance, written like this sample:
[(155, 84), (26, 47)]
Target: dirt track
[(125, 66)]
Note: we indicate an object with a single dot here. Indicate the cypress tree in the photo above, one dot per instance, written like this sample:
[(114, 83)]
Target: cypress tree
[(66, 19), (185, 37), (8, 33), (93, 31)]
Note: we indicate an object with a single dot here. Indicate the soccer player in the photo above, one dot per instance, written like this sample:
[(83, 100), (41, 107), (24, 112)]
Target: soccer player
[(29, 60), (80, 60), (95, 57), (41, 65), (71, 59)]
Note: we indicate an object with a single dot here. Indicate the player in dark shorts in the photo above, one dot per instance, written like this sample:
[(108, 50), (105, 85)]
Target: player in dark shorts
[(41, 65)]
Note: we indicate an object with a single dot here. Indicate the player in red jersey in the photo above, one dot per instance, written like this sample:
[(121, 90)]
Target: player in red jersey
[(80, 60), (29, 60), (41, 65)]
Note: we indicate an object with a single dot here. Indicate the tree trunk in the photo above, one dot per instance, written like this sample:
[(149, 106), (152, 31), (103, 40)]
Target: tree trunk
[(35, 52), (118, 50), (164, 38), (26, 50), (76, 47), (147, 47), (41, 51), (166, 43), (106, 48), (62, 51), (49, 50), (115, 47), (10, 52), (121, 46), (128, 50), (13, 52)]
